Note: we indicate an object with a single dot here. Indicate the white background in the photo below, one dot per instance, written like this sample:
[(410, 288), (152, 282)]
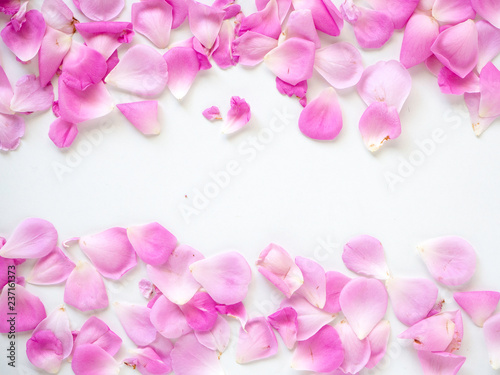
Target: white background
[(296, 192)]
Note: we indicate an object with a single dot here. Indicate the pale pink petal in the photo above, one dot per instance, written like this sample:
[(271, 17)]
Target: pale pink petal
[(189, 357), (238, 115), (431, 334), (450, 83), (205, 22), (283, 6), (90, 359), (457, 48), (451, 260), (85, 289), (229, 7), (251, 48), (335, 282), (147, 288), (420, 33), (153, 19), (44, 350), (223, 55), (62, 132), (266, 21), (6, 93), (147, 362), (53, 268), (300, 24), (433, 65), (58, 16), (453, 11), (168, 319), (28, 308), (488, 43), (105, 37), (135, 320), (310, 319), (95, 331), (256, 341), (152, 242), (143, 115), (314, 287), (30, 96), (212, 113), (217, 338), (458, 333), (141, 70), (285, 322), (411, 299), (364, 255), (237, 311), (479, 124), (225, 277), (399, 11), (98, 10), (292, 61), (26, 42), (363, 302), (492, 338), (478, 305), (173, 278), (32, 238), (489, 10), (11, 131), (200, 312), (279, 268), (163, 347), (385, 81), (356, 352), (378, 124), (437, 363), (327, 17), (340, 64), (489, 81), (55, 46), (110, 252), (378, 339)]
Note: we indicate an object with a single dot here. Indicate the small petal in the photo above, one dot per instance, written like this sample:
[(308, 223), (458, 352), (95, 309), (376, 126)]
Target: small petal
[(238, 115), (283, 7), (256, 341), (492, 338), (488, 9), (478, 305), (62, 132), (340, 64), (285, 322), (53, 268), (431, 334), (168, 319), (6, 93), (327, 17), (479, 124), (58, 16), (378, 339), (153, 19), (55, 45), (251, 48), (189, 357), (136, 321), (143, 115), (379, 123), (90, 359), (217, 338), (200, 312), (205, 22), (356, 352), (85, 289), (98, 10), (488, 43), (95, 331), (321, 119), (179, 12), (11, 131), (266, 21), (163, 347), (30, 96), (420, 33), (437, 363), (28, 308), (364, 255), (314, 287), (450, 83), (335, 282), (299, 90), (489, 82), (212, 113)]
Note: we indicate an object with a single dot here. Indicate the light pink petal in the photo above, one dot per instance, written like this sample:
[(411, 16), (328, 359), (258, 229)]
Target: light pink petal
[(189, 357), (310, 319), (217, 338), (105, 37), (98, 10), (83, 67), (256, 341), (364, 255), (162, 347), (492, 338), (173, 278), (300, 24), (411, 299), (62, 132), (378, 339), (292, 61), (205, 22), (378, 124), (90, 359), (6, 93), (32, 238), (438, 363), (11, 131), (285, 322), (479, 124), (489, 81), (44, 350), (363, 302), (152, 242), (147, 362), (356, 352), (279, 268), (488, 43), (143, 115), (340, 64), (200, 312), (335, 282), (488, 9), (110, 252), (453, 11), (314, 287), (283, 6), (223, 55), (212, 113), (321, 119), (135, 319), (451, 260), (250, 48), (168, 319), (141, 70), (58, 16), (225, 277), (85, 289), (28, 308), (323, 352), (53, 268), (238, 115), (478, 305), (385, 81), (431, 334), (153, 19), (457, 48), (29, 96), (95, 331), (266, 21), (399, 11), (147, 288), (450, 83), (420, 33), (55, 46), (26, 42), (237, 311), (327, 17), (433, 65)]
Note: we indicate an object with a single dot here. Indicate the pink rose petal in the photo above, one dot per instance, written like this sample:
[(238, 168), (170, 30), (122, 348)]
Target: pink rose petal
[(98, 10), (147, 362), (478, 305), (135, 319), (62, 132), (251, 48), (205, 22), (105, 37), (238, 115), (314, 287), (488, 9), (58, 16), (217, 338), (378, 124), (200, 312), (153, 19), (335, 282), (95, 331), (489, 83), (143, 115), (223, 54), (85, 289), (378, 339), (162, 347), (256, 341), (450, 83), (326, 16), (399, 11), (189, 357), (431, 334), (179, 12), (285, 322), (479, 124), (237, 311), (28, 308), (488, 43), (212, 113), (10, 7), (55, 46), (6, 93), (30, 96), (453, 11), (340, 64), (420, 33), (356, 352), (90, 359), (152, 242), (11, 131), (364, 255), (300, 24), (437, 363), (492, 338), (266, 21), (168, 319), (53, 268), (299, 90)]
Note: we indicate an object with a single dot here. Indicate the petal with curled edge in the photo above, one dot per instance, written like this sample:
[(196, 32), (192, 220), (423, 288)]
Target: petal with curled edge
[(378, 124), (251, 48), (200, 312), (326, 16), (285, 322), (62, 132), (95, 331), (431, 334), (266, 21), (238, 115), (105, 37), (489, 10)]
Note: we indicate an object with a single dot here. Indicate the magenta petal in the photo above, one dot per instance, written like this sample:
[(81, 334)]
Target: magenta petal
[(453, 11), (314, 287), (152, 243), (326, 16), (479, 124), (478, 305), (110, 252), (83, 67), (205, 22), (237, 311), (143, 115), (299, 90), (285, 322), (321, 119), (356, 352), (450, 83), (437, 363), (212, 113), (98, 10), (378, 339), (365, 255), (420, 33), (431, 334), (26, 42), (30, 96), (105, 37), (492, 338), (53, 268), (379, 123), (335, 282), (189, 357), (153, 19), (457, 48), (488, 9), (62, 132), (340, 64), (162, 347), (168, 319), (225, 277), (399, 11), (488, 43), (90, 359), (238, 115), (217, 338), (85, 289), (363, 302), (136, 321), (489, 82), (251, 48), (266, 21), (95, 331), (10, 7), (200, 312), (256, 341), (32, 238), (28, 308), (451, 260), (11, 131), (44, 350), (58, 16), (55, 46)]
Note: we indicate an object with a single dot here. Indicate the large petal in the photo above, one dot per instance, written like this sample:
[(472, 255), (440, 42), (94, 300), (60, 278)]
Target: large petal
[(450, 83), (58, 16), (266, 21), (143, 115), (431, 334), (53, 268), (488, 9), (152, 242), (479, 305), (399, 11), (300, 24), (62, 132), (105, 37), (200, 312), (168, 319), (136, 322), (335, 282), (55, 46), (251, 48), (238, 115), (153, 19), (365, 255), (488, 43), (356, 352), (492, 338), (90, 359), (453, 11), (217, 338), (95, 331), (189, 357), (314, 287), (11, 131), (340, 64), (28, 308), (98, 10), (326, 16), (378, 339), (44, 350), (489, 83), (30, 96), (205, 22), (256, 341), (85, 289), (285, 322), (438, 363), (420, 33), (378, 124)]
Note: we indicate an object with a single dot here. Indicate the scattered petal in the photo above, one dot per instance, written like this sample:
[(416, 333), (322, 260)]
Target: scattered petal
[(238, 115), (223, 54), (335, 282), (237, 311), (217, 338), (364, 255), (256, 341), (153, 19), (95, 331), (437, 363), (30, 96), (492, 337), (479, 124), (98, 10), (285, 322), (266, 21), (168, 319), (314, 287), (90, 359), (420, 33), (340, 64), (488, 9), (326, 16), (105, 37), (28, 308), (478, 305), (147, 362), (53, 268), (489, 82), (399, 11), (378, 339), (189, 357), (55, 45), (488, 43), (300, 24), (62, 132), (379, 123), (200, 312), (431, 334), (212, 113), (251, 48), (58, 16), (205, 22), (453, 11), (450, 83), (85, 289), (356, 352), (135, 320), (144, 116), (11, 131)]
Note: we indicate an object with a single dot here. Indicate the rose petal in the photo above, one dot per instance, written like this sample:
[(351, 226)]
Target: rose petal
[(300, 24), (256, 341), (85, 289), (95, 331), (237, 311), (436, 363), (153, 19), (162, 347), (251, 48), (30, 96), (58, 16), (283, 7), (420, 33), (90, 359), (28, 308), (205, 22), (378, 339), (479, 124), (488, 43), (152, 242), (492, 338), (147, 362), (238, 115), (98, 10), (431, 334), (299, 90), (189, 357), (266, 21), (488, 9), (62, 132), (356, 352), (340, 64), (6, 93), (53, 268), (217, 338), (223, 55), (135, 320), (364, 255), (335, 282), (450, 83), (168, 319), (326, 16), (11, 131), (200, 312), (143, 115), (489, 82), (453, 11), (55, 46), (44, 350), (314, 287), (212, 113), (285, 322), (478, 305), (379, 123)]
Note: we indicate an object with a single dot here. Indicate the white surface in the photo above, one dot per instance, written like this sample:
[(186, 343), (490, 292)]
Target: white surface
[(296, 192)]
